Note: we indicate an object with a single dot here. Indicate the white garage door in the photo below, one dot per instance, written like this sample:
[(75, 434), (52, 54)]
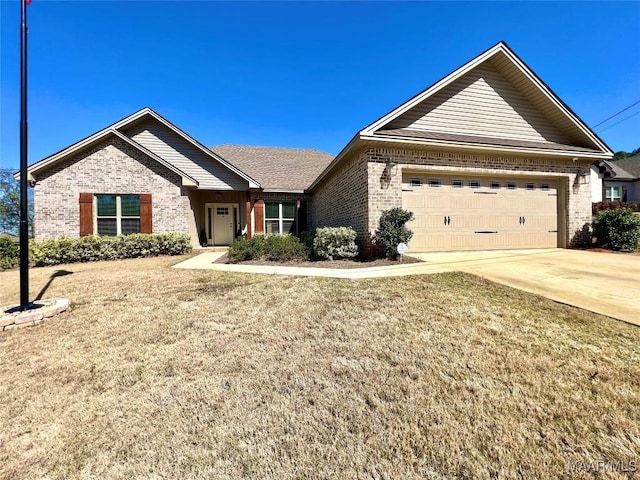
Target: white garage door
[(480, 213)]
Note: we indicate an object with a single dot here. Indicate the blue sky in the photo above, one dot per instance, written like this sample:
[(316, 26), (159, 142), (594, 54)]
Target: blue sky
[(296, 74)]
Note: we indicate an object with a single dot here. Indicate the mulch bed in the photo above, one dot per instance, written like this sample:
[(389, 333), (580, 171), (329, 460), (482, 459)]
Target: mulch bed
[(352, 263)]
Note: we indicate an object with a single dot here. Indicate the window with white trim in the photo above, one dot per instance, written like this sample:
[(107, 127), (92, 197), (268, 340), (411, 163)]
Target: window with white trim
[(117, 214), (456, 183), (474, 184), (494, 185), (434, 182), (279, 218), (416, 182), (613, 194)]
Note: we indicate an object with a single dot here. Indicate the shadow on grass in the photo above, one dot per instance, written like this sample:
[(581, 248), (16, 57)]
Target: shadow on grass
[(56, 274)]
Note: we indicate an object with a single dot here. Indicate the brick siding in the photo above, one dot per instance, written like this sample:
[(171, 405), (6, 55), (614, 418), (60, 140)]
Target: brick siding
[(110, 167), (347, 198), (341, 199)]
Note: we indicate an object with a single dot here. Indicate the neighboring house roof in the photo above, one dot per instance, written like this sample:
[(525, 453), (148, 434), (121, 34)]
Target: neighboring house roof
[(276, 168), (494, 103), (624, 169), (118, 130)]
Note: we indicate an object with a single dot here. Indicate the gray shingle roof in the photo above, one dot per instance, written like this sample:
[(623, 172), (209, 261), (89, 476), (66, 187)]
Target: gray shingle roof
[(625, 169), (275, 167)]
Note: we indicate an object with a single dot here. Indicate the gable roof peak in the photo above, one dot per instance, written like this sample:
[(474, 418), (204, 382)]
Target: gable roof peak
[(515, 72)]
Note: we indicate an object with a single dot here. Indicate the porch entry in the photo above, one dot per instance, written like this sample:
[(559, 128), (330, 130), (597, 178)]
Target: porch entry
[(221, 223)]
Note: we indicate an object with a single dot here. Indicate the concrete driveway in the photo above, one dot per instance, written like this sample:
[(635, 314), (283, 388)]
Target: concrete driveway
[(604, 283)]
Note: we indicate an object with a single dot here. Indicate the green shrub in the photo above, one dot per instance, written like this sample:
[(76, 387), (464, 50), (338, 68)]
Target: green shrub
[(334, 243), (306, 238), (283, 248), (93, 248), (392, 231), (247, 249), (280, 248), (617, 229), (9, 253)]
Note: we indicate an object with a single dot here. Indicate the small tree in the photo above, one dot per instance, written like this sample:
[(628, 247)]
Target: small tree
[(10, 204), (617, 229), (392, 230)]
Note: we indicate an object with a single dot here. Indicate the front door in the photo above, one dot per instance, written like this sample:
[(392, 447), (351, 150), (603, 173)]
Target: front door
[(221, 219)]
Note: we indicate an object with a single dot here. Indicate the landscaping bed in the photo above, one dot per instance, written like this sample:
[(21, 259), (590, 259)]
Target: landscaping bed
[(345, 263)]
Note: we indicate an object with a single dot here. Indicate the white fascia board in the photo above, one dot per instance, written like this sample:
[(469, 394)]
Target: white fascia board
[(187, 181), (392, 115), (216, 157), (483, 147), (281, 190)]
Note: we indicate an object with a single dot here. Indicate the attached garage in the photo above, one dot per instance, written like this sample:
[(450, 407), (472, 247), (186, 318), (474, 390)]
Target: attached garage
[(462, 212)]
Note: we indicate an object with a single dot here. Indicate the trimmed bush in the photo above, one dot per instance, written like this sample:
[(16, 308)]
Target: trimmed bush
[(392, 231), (246, 249), (609, 205), (617, 229), (9, 253), (283, 248), (335, 243), (93, 248), (280, 248)]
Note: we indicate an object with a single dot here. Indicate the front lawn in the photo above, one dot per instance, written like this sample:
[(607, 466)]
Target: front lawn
[(167, 373)]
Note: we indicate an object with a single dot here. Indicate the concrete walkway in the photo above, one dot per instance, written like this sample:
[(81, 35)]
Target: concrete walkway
[(604, 283)]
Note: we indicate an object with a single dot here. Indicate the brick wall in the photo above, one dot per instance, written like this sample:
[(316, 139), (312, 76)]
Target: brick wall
[(110, 167), (341, 199), (361, 188)]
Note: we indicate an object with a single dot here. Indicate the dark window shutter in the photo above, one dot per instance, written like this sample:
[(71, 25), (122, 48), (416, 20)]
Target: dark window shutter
[(623, 194), (302, 215), (86, 214), (248, 212), (146, 215), (258, 210)]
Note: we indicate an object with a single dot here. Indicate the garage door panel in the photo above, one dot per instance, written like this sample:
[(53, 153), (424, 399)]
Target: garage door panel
[(466, 213)]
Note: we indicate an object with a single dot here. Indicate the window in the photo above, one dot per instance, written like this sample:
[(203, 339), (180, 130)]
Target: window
[(545, 187), (613, 194), (531, 186), (117, 214), (494, 185), (511, 186), (456, 183), (416, 182), (474, 184), (222, 210), (434, 182), (279, 218)]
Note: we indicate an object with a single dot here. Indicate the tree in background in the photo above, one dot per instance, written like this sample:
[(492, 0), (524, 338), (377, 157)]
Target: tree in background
[(622, 154), (10, 204)]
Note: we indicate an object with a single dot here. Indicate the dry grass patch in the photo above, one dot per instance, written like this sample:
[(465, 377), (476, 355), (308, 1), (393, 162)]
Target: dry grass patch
[(166, 373)]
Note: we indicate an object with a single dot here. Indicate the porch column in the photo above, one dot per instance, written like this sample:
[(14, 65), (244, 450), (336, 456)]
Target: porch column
[(248, 206)]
